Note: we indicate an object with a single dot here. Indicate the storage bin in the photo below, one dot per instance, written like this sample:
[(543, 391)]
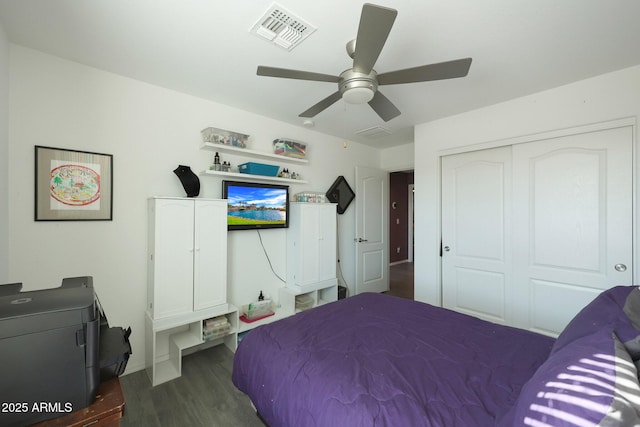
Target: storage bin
[(215, 333), (225, 137), (257, 309), (289, 148), (253, 168), (304, 302), (310, 197), (215, 327), (215, 322)]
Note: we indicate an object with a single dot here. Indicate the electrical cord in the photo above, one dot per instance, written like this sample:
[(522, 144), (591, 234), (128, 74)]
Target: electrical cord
[(268, 259)]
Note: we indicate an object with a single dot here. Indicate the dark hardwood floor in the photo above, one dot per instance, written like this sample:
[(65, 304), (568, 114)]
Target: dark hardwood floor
[(401, 280), (204, 395)]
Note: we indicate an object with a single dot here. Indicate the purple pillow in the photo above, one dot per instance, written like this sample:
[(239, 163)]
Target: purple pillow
[(616, 309), (590, 381)]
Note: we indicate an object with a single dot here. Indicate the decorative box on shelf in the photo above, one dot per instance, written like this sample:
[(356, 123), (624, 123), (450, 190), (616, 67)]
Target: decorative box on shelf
[(290, 148), (304, 302), (224, 137), (253, 168), (257, 310), (311, 197), (215, 328)]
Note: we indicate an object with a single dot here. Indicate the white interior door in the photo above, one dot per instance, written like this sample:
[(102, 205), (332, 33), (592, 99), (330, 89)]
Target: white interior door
[(372, 234), (572, 223), (476, 222)]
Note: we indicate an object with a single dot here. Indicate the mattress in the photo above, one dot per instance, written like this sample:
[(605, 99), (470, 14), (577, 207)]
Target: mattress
[(379, 360)]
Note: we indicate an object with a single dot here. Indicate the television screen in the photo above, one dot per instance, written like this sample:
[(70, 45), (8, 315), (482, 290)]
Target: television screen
[(256, 205)]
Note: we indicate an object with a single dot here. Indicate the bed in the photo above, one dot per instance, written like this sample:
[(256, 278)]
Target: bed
[(378, 360)]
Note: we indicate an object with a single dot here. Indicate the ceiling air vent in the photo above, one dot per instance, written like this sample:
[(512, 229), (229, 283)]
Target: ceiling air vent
[(374, 132), (282, 27)]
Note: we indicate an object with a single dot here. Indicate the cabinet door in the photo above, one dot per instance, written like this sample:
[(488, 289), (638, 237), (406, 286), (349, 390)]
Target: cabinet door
[(210, 259), (315, 243), (307, 237), (173, 258), (327, 242)]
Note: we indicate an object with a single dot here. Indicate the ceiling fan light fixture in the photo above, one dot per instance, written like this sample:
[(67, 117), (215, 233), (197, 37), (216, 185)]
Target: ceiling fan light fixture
[(358, 95)]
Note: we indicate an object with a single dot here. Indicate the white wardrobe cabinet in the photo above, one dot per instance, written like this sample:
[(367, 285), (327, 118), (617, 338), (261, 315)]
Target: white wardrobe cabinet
[(187, 281), (311, 247), (187, 255)]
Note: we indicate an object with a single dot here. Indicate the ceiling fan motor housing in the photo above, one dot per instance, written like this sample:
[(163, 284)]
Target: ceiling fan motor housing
[(358, 88)]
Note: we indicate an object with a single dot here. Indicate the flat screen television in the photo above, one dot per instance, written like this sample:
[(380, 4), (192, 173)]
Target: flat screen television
[(253, 205)]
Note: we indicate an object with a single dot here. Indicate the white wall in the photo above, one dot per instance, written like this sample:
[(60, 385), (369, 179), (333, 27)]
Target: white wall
[(399, 158), (604, 98), (149, 130), (4, 157)]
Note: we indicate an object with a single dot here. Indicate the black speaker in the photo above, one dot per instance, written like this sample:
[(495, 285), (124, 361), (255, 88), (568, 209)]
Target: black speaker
[(341, 193), (189, 180)]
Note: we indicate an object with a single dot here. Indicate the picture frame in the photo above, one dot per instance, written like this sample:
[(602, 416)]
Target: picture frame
[(73, 185)]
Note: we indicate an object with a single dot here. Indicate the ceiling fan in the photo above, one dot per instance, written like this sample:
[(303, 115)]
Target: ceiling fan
[(359, 84)]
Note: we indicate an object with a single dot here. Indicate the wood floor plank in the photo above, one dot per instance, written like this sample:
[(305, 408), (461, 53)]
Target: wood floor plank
[(203, 396)]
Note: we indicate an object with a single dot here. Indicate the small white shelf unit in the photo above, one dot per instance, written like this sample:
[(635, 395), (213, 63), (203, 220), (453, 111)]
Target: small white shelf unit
[(170, 337), (322, 294)]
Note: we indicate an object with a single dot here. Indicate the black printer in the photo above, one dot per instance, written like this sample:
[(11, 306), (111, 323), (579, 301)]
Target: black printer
[(49, 350)]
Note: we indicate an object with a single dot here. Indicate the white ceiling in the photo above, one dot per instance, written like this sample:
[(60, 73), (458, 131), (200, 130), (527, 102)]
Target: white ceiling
[(204, 48)]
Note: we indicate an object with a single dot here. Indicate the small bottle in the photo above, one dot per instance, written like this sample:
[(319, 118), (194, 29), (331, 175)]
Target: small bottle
[(216, 162), (260, 297)]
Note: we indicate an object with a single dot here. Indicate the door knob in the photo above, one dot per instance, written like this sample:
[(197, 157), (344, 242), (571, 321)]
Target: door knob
[(620, 267), (447, 248)]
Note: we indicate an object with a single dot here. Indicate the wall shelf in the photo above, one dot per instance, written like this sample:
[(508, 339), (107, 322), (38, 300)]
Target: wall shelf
[(250, 177), (244, 151)]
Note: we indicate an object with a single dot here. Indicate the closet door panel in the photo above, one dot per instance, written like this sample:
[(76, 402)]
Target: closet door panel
[(476, 221), (572, 223)]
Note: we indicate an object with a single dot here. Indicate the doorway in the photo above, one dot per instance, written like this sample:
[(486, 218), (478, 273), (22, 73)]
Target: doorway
[(401, 186)]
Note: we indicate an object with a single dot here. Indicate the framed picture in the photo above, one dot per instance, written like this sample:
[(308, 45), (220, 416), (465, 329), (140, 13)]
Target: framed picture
[(73, 185)]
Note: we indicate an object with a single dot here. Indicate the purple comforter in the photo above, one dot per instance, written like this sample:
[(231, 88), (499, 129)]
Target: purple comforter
[(378, 360)]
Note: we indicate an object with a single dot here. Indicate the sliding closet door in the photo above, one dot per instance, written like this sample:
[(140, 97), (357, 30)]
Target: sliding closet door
[(532, 232), (572, 224), (476, 222)]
